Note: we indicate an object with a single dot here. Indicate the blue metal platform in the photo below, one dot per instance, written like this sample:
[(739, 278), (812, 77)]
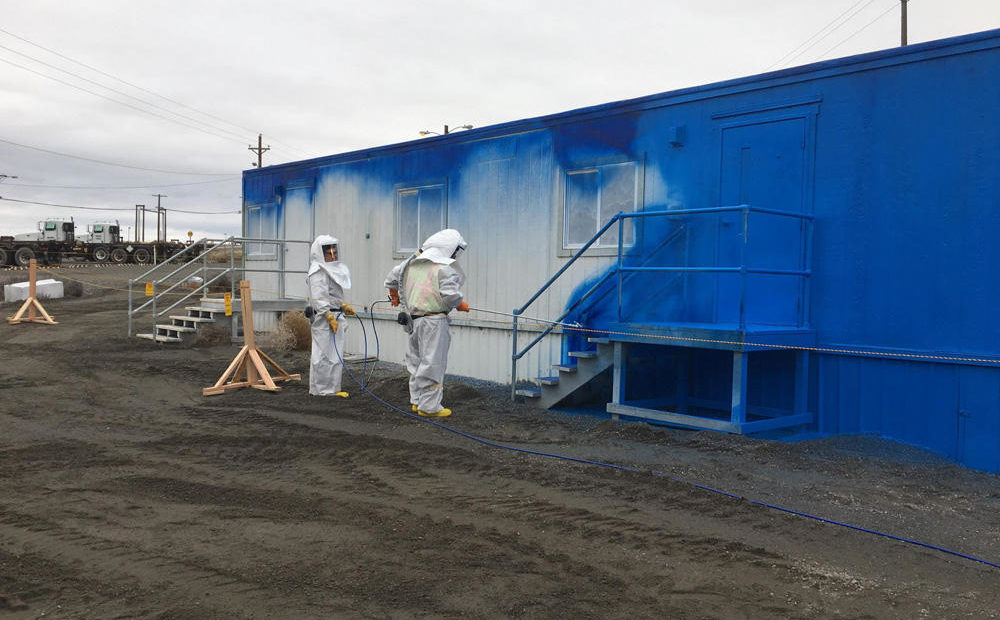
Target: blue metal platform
[(728, 336)]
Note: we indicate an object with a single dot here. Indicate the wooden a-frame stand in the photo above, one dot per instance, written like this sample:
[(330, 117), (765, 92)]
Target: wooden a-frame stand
[(31, 304), (247, 369)]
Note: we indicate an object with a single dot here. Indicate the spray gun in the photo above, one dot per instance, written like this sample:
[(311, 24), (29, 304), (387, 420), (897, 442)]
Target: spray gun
[(574, 324)]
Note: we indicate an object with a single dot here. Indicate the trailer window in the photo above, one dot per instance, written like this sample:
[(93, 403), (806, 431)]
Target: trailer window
[(420, 212), (262, 223), (593, 196)]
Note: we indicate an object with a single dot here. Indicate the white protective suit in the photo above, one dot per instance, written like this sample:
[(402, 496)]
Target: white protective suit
[(429, 286), (327, 282)]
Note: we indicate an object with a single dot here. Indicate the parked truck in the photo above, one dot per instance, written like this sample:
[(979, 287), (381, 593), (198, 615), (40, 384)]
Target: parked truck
[(56, 240)]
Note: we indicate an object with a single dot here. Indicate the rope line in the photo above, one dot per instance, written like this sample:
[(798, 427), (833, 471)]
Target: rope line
[(635, 334)]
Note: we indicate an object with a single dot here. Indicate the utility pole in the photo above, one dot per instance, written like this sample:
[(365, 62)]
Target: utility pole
[(902, 24), (259, 149), (161, 213)]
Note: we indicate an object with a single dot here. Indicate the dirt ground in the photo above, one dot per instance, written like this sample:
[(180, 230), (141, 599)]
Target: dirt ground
[(126, 494)]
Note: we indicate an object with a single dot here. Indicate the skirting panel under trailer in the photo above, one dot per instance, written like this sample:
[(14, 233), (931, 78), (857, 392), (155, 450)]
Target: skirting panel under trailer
[(767, 419)]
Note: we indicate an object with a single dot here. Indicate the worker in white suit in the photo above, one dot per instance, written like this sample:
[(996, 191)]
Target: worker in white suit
[(430, 282), (328, 278)]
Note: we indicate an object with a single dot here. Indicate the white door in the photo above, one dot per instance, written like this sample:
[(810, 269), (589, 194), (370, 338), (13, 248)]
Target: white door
[(298, 228)]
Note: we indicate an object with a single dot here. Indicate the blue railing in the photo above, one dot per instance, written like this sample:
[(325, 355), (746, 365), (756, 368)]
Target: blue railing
[(620, 270)]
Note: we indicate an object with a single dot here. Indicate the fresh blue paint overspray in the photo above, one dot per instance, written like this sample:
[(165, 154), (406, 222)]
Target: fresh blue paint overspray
[(863, 222)]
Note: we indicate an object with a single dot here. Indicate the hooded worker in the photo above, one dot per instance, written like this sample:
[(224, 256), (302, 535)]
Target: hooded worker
[(328, 278), (430, 282)]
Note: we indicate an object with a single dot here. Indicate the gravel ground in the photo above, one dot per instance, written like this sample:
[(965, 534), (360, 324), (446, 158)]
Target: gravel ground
[(124, 493)]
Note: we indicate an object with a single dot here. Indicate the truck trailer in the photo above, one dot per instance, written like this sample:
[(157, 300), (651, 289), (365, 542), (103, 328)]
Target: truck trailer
[(56, 241)]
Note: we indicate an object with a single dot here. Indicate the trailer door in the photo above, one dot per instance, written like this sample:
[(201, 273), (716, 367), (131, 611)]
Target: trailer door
[(298, 227)]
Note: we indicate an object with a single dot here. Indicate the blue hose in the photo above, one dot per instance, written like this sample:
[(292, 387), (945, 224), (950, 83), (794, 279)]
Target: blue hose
[(563, 457)]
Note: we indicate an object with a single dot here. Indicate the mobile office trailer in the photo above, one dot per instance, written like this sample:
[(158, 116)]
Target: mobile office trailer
[(831, 251)]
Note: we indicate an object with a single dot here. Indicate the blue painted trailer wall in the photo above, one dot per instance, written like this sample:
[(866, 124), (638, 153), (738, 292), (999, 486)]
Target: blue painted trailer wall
[(900, 168), (895, 153)]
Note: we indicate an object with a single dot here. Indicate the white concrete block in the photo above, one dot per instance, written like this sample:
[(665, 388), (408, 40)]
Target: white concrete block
[(44, 289)]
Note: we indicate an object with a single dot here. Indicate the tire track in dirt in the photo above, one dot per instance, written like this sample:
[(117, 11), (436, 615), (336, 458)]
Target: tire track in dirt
[(332, 506), (496, 539), (152, 576), (517, 518)]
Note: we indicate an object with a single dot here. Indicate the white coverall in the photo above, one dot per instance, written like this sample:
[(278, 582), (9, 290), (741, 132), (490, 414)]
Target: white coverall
[(431, 283), (327, 281)]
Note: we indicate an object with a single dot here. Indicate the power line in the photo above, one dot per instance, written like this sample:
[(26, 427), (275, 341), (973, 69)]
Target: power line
[(235, 176), (137, 87), (122, 93), (860, 30), (113, 100), (806, 45), (108, 163), (51, 204)]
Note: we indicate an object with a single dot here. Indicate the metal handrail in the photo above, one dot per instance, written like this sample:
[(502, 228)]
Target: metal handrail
[(201, 243), (204, 286), (519, 354), (593, 289), (170, 258), (219, 245), (620, 269), (156, 281), (515, 355)]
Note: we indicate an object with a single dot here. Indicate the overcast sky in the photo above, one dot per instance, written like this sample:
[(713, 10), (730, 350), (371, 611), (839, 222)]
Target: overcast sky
[(178, 89)]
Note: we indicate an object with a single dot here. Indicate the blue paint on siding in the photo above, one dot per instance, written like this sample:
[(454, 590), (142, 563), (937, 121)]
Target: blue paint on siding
[(895, 153)]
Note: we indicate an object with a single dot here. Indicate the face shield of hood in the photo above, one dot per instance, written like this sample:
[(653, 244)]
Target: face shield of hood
[(335, 269), (440, 246)]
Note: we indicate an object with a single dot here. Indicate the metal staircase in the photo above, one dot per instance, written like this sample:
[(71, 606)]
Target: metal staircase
[(187, 275), (756, 306), (206, 312), (586, 365)]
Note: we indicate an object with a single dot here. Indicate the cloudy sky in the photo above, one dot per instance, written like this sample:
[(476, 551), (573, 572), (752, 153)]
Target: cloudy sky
[(107, 102)]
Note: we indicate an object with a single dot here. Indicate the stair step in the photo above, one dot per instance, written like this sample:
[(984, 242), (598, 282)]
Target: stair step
[(192, 319), (177, 328), (551, 380), (596, 340), (211, 309), (158, 338), (563, 368), (531, 392), (583, 354)]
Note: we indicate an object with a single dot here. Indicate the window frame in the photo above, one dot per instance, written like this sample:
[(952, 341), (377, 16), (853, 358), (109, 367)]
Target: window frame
[(256, 250), (401, 189), (565, 250)]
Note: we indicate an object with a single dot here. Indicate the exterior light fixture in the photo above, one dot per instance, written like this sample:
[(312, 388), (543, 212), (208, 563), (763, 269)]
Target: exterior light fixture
[(447, 130)]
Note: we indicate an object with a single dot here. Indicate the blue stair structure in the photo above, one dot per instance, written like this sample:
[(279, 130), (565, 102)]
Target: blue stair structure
[(711, 304)]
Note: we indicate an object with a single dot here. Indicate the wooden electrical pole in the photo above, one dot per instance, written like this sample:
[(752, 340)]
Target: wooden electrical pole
[(902, 24), (259, 149)]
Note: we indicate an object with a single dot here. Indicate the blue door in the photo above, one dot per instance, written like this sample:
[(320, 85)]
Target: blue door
[(764, 164)]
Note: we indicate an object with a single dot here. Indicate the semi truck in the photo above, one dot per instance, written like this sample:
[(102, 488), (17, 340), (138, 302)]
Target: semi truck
[(56, 241)]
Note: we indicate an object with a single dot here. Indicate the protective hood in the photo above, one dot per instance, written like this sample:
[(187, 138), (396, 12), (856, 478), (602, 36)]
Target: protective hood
[(441, 245), (335, 269)]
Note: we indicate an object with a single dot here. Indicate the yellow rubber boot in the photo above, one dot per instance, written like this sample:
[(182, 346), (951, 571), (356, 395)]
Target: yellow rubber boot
[(444, 413), (413, 408), (342, 394)]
